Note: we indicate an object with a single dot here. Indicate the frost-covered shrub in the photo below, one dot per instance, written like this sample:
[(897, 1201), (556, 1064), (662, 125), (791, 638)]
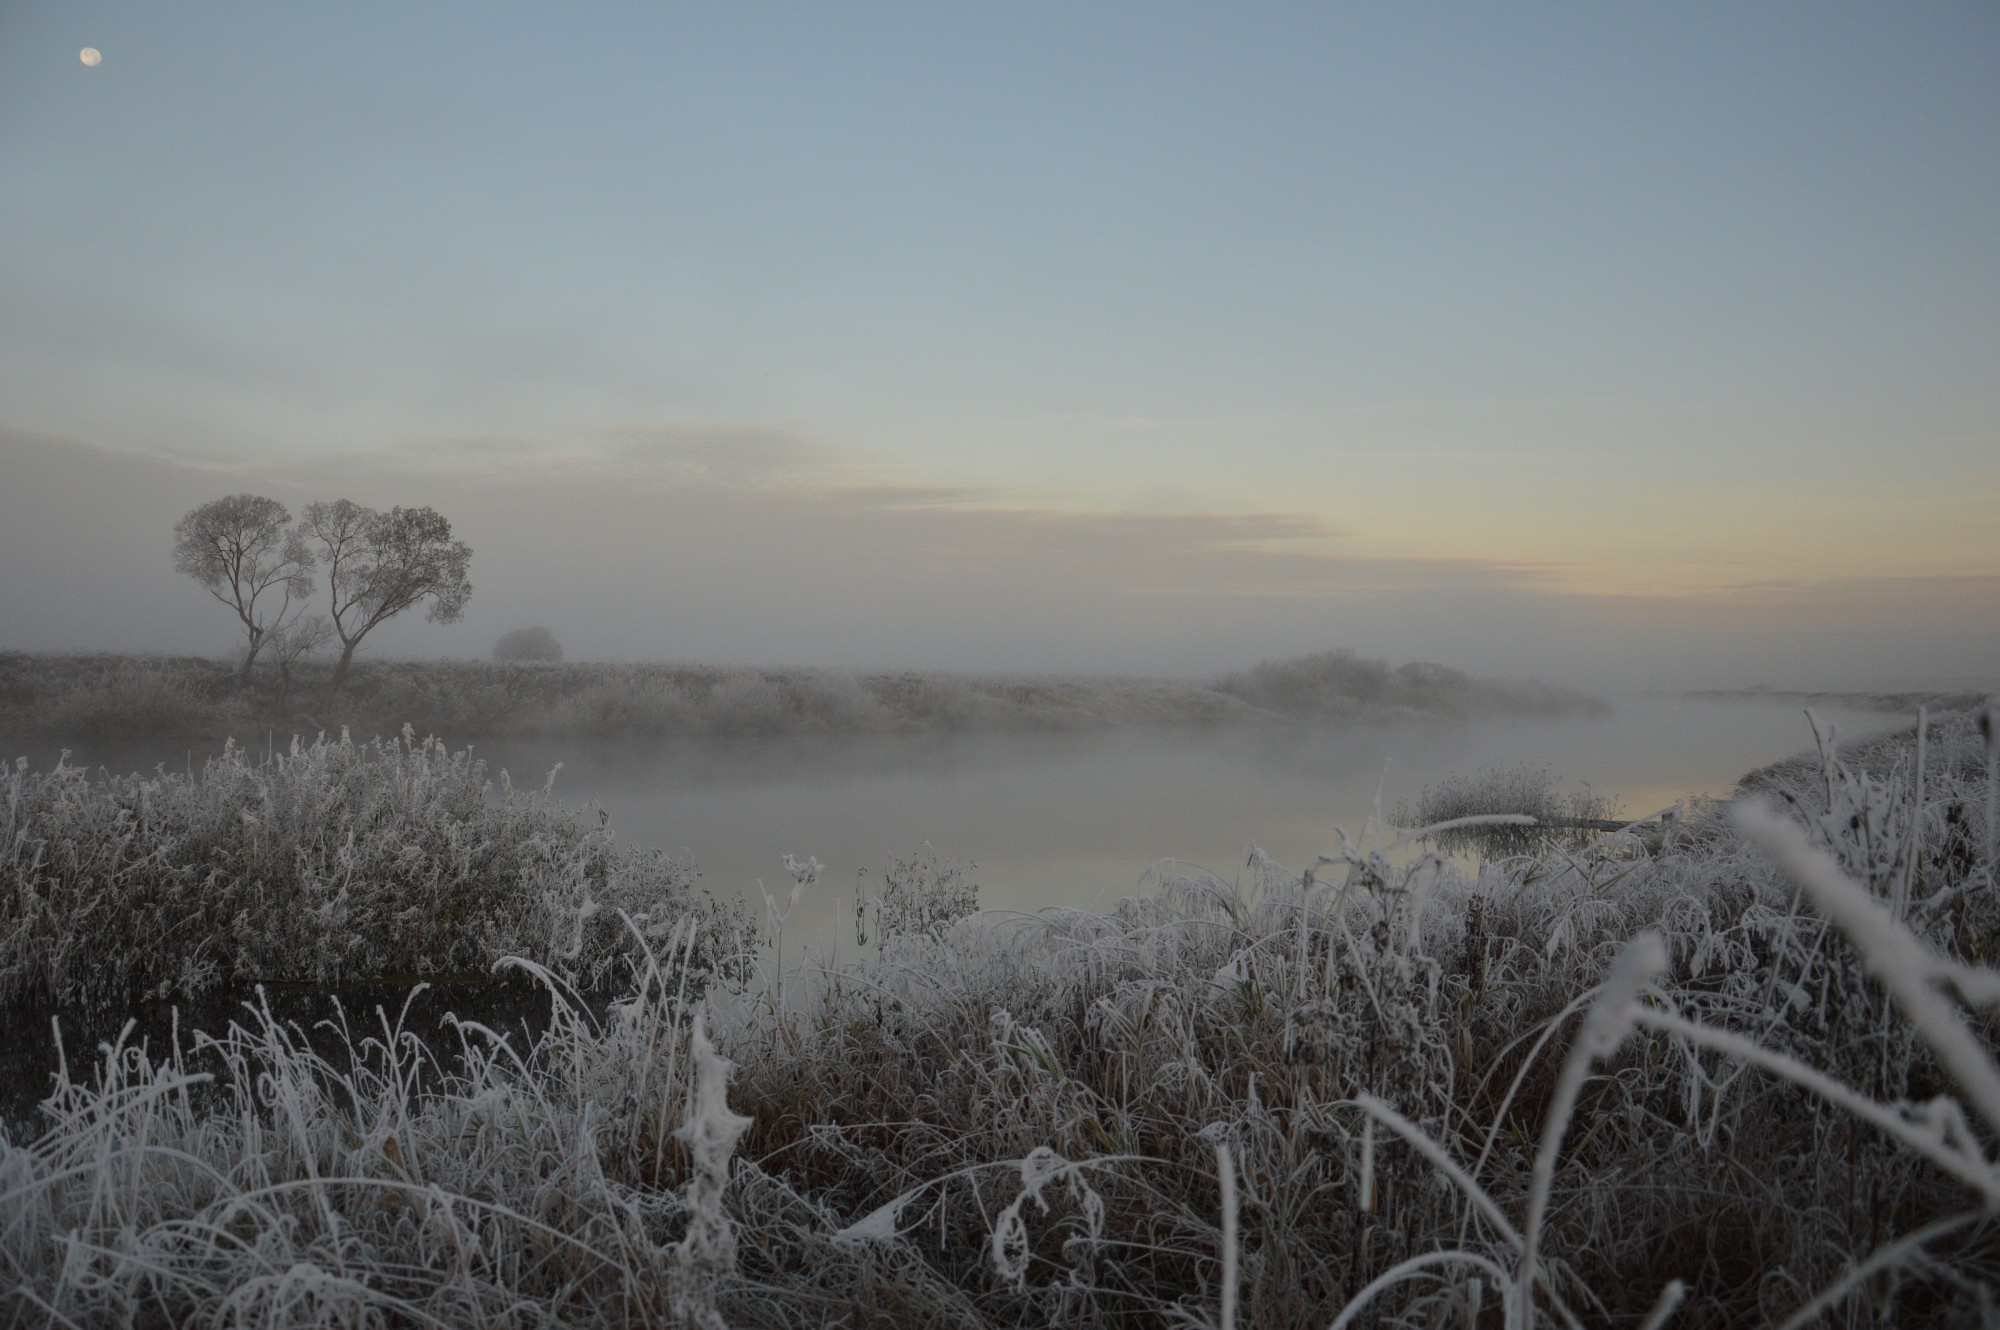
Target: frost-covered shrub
[(751, 704), (1530, 791), (922, 894), (333, 861), (522, 646), (638, 706), (1325, 683), (940, 701), (1340, 685), (835, 700)]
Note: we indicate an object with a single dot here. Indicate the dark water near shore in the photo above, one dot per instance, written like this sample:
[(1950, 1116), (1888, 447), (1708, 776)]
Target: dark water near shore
[(1076, 819)]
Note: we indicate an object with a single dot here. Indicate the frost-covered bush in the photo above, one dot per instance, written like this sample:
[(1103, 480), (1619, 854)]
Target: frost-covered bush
[(922, 894), (836, 701), (333, 861), (522, 646), (1340, 685), (1533, 791), (750, 704)]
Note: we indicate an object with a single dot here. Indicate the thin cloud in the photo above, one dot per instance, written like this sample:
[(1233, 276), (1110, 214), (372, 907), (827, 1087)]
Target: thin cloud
[(720, 453), (730, 454), (1100, 420), (909, 497)]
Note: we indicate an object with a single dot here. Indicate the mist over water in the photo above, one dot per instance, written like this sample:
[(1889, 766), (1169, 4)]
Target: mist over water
[(1075, 819)]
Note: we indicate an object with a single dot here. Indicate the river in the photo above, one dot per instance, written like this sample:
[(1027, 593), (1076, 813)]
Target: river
[(1077, 818)]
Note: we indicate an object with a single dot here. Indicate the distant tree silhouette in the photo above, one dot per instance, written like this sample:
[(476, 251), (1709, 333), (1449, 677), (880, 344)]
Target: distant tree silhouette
[(241, 550), (380, 564), (523, 645)]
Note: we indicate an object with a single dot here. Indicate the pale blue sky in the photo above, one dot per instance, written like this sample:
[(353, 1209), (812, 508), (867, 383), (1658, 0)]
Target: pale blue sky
[(1671, 300)]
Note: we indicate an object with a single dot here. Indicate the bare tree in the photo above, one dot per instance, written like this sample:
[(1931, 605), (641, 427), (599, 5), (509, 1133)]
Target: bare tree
[(380, 564), (240, 548)]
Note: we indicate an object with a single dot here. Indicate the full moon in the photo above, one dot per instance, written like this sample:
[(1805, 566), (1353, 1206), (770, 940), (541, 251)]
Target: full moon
[(89, 55)]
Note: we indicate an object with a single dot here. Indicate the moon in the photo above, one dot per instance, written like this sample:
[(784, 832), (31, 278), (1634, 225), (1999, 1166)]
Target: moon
[(89, 55)]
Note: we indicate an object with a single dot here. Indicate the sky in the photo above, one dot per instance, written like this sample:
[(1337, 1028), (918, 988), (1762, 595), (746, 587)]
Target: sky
[(1611, 344)]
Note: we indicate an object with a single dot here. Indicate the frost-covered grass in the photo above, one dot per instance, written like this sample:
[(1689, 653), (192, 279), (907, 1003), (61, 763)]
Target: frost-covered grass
[(331, 862), (72, 698), (1747, 1080)]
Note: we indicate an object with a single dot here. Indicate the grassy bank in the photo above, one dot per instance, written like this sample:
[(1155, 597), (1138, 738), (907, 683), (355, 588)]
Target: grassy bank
[(71, 698), (1746, 1078)]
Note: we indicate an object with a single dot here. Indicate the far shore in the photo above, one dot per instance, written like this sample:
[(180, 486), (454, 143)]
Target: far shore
[(109, 696), (1934, 699)]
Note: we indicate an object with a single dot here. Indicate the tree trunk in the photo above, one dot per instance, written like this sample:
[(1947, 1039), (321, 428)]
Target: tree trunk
[(249, 659), (340, 667)]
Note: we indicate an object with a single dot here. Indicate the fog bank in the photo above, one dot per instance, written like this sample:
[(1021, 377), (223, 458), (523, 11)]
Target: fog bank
[(693, 550)]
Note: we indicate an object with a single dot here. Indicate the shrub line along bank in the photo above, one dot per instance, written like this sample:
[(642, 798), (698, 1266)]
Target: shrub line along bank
[(71, 698)]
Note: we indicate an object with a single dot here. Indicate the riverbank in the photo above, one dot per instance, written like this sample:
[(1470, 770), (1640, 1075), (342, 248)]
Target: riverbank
[(78, 697)]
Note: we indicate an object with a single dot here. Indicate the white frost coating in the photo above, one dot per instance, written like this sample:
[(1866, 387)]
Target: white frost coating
[(1225, 1172), (1437, 1155), (1936, 1130), (1895, 957), (1665, 1305), (1008, 1243), (1398, 1273), (354, 1186), (804, 873), (878, 1225), (1989, 729), (1410, 836), (1607, 1023), (707, 1255)]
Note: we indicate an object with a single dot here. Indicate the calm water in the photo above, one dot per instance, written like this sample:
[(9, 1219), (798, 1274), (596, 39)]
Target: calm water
[(1075, 819)]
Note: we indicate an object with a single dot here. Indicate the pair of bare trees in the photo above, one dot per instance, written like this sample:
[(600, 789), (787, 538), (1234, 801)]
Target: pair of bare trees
[(246, 552)]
